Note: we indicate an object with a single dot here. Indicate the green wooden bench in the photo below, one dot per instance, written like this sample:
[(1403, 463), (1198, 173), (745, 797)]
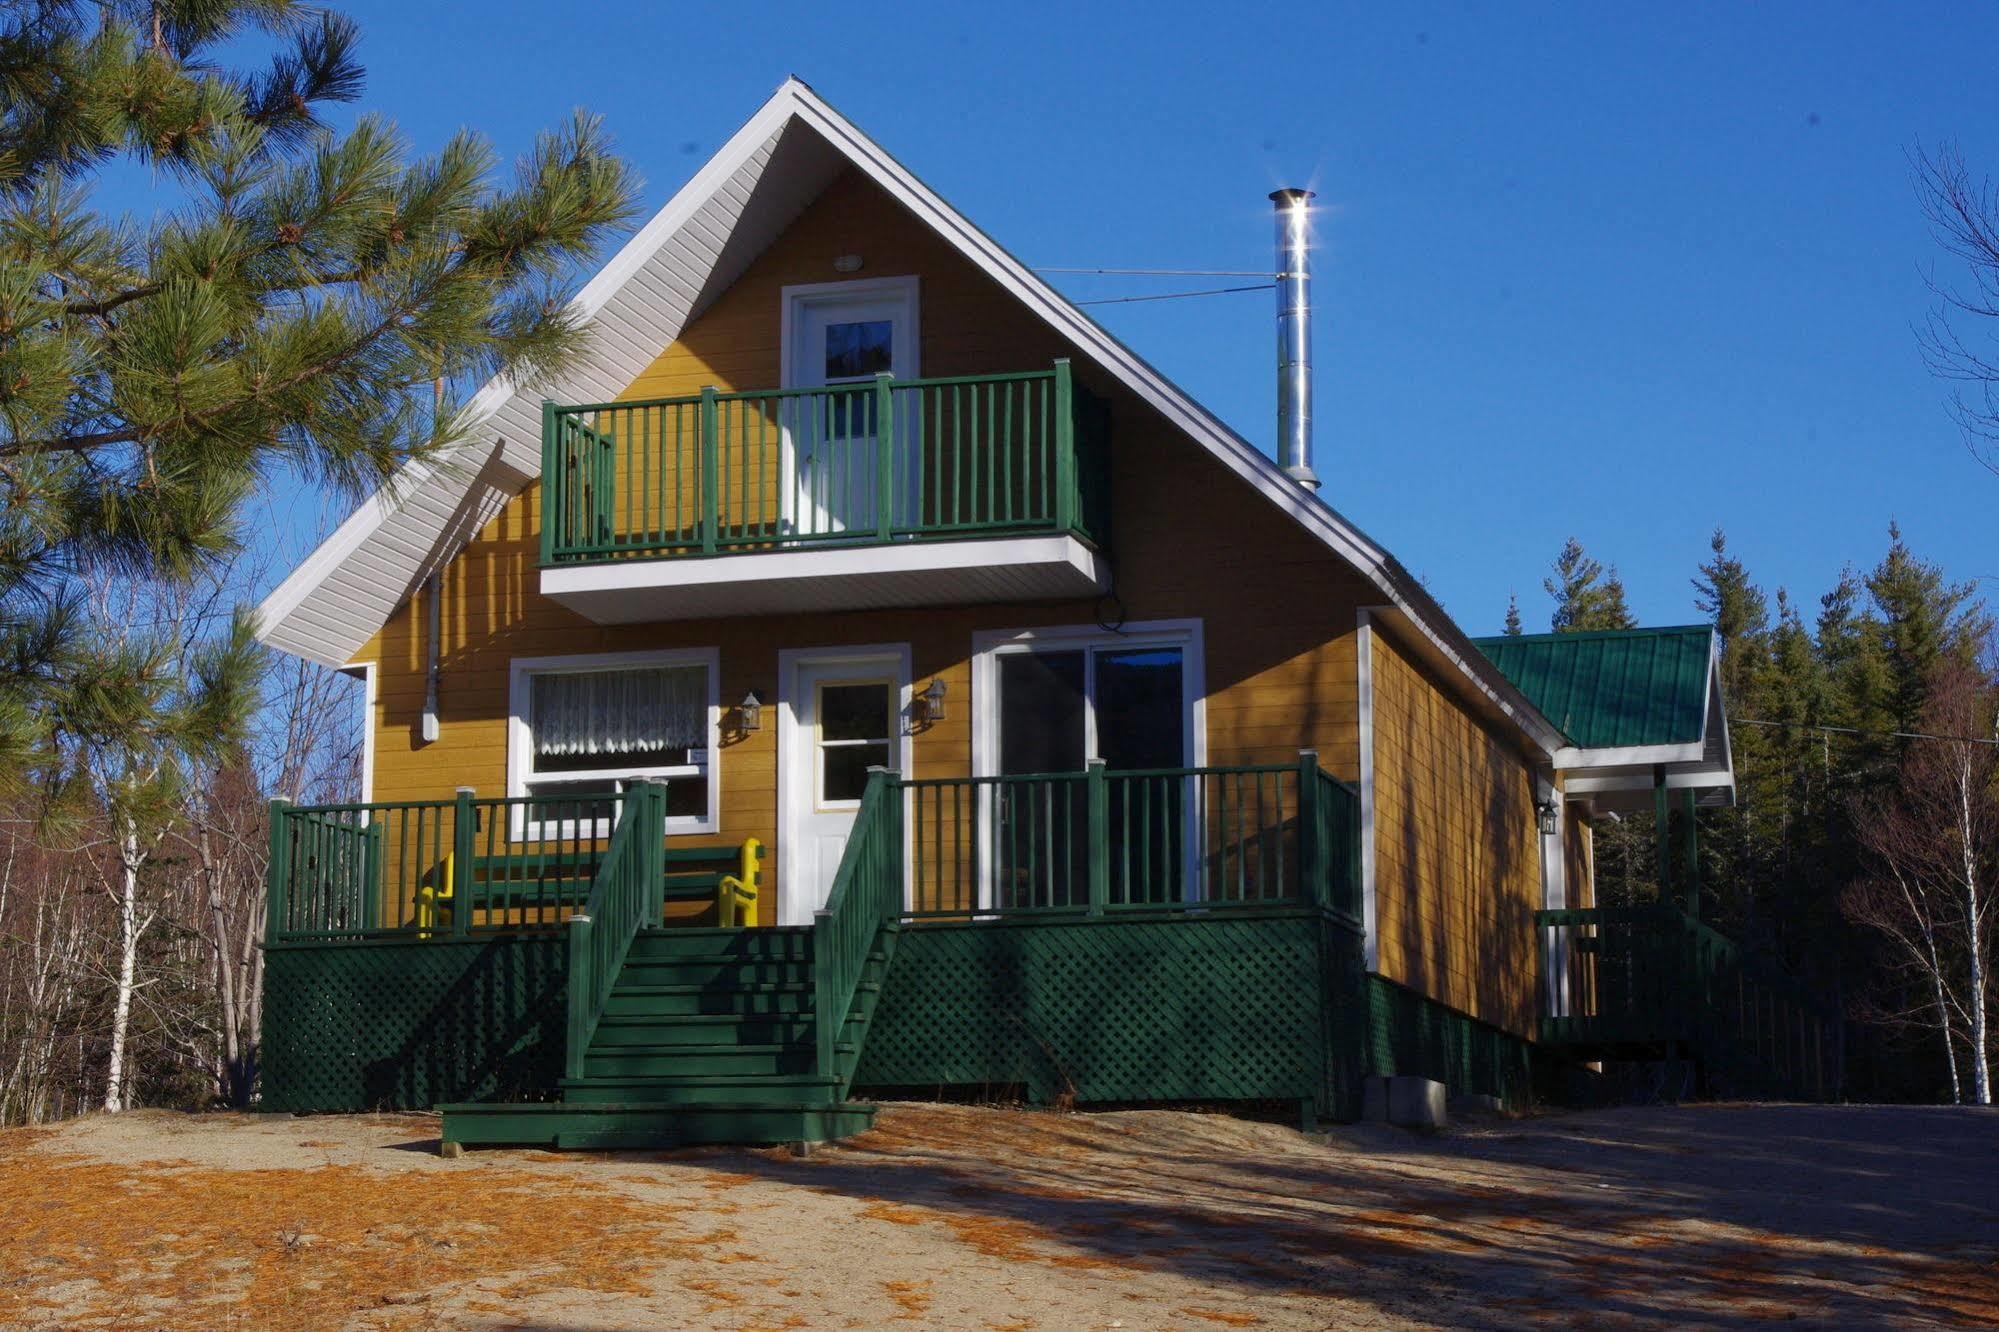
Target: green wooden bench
[(729, 876)]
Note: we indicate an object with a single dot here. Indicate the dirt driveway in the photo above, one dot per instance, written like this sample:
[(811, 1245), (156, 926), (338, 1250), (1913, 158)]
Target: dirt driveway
[(982, 1218)]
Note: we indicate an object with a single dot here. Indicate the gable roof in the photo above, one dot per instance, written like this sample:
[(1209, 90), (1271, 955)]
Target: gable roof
[(1614, 688), (670, 271)]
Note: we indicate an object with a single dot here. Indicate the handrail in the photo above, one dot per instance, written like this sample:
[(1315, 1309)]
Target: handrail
[(1651, 975), (865, 899), (888, 459), (625, 898)]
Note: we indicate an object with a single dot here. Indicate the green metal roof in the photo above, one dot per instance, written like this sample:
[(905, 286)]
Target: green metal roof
[(1615, 688)]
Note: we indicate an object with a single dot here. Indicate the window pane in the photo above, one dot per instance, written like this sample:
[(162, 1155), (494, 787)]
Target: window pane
[(854, 711), (1141, 719), (859, 349), (1041, 712), (844, 769), (618, 718), (687, 797)]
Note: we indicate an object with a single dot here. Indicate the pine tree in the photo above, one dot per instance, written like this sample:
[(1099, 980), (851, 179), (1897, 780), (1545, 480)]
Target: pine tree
[(1513, 629), (291, 312), (1736, 844), (1585, 597), (1923, 618)]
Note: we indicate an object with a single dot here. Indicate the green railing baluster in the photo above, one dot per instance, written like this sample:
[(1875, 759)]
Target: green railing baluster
[(711, 506), (884, 458), (1065, 447)]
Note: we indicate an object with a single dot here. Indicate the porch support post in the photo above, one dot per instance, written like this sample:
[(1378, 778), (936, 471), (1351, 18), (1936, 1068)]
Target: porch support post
[(277, 910), (884, 408), (1312, 849), (463, 817), (1098, 832), (1662, 823), (711, 497), (1690, 860)]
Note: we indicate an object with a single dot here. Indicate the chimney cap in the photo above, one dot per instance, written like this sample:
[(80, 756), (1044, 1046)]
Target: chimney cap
[(1291, 194)]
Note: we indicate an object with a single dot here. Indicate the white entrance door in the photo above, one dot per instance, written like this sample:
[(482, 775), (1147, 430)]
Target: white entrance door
[(842, 714), (847, 333)]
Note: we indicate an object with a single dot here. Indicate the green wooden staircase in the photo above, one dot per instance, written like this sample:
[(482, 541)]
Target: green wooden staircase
[(683, 1036)]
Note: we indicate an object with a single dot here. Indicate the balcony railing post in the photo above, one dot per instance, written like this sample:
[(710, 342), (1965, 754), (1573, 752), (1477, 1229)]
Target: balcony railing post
[(651, 805), (1065, 446), (884, 456), (582, 982), (1097, 833), (551, 478), (711, 501), (463, 817), (277, 905), (1313, 859)]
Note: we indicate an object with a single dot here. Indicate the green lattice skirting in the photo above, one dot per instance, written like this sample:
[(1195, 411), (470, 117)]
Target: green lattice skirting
[(1222, 1008), (408, 1025)]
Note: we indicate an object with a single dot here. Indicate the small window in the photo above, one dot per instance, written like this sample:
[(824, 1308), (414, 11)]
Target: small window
[(590, 732), (856, 726), (859, 349)]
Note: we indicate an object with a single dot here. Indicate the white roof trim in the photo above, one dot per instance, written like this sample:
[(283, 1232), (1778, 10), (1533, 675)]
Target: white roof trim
[(794, 101)]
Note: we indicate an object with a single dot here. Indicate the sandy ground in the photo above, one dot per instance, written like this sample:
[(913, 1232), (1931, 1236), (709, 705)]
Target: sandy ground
[(986, 1218)]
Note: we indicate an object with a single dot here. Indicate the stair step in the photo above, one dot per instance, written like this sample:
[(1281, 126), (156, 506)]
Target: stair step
[(764, 944), (644, 1125), (714, 970), (701, 1089), (768, 1060), (701, 1031)]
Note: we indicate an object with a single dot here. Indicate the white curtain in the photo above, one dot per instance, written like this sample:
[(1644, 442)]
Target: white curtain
[(620, 712)]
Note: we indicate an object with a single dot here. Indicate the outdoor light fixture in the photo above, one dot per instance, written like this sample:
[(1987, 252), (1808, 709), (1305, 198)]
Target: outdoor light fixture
[(750, 712), (933, 700), (1550, 814)]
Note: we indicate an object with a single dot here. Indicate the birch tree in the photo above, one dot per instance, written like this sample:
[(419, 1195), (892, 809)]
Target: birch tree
[(1933, 840)]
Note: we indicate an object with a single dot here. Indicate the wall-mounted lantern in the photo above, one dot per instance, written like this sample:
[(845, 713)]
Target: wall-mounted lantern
[(1550, 814), (932, 700), (750, 713)]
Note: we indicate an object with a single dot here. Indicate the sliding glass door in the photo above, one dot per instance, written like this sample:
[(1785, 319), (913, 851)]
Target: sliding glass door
[(1059, 705)]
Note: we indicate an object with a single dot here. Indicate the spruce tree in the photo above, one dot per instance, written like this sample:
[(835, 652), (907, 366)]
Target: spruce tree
[(1735, 843), (1513, 629), (1586, 598), (291, 307)]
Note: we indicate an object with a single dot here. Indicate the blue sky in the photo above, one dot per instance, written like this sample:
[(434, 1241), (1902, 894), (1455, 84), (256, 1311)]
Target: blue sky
[(1619, 272)]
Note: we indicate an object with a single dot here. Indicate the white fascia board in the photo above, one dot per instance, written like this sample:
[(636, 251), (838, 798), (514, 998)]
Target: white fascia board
[(817, 563), (1702, 779), (1573, 758)]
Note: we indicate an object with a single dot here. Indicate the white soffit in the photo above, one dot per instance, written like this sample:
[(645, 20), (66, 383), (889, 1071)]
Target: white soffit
[(705, 237)]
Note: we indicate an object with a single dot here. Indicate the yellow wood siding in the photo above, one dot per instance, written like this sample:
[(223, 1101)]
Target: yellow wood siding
[(1191, 542), (1457, 854)]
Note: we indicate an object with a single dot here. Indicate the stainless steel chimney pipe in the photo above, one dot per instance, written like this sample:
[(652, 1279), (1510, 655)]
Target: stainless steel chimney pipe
[(1294, 335)]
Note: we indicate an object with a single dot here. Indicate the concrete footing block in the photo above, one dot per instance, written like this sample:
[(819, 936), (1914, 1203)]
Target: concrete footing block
[(1407, 1101)]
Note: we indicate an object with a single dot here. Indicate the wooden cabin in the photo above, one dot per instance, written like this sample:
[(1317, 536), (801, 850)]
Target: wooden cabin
[(865, 674)]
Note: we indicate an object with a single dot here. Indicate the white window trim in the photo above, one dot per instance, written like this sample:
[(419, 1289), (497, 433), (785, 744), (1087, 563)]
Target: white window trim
[(520, 735), (799, 294), (988, 647)]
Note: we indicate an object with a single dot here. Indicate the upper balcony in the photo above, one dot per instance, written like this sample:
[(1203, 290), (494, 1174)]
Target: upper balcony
[(875, 492)]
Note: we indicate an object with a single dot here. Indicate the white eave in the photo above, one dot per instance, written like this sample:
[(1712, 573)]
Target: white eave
[(699, 243)]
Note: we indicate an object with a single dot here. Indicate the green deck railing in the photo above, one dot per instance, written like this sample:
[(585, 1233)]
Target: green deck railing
[(430, 868), (1103, 841), (624, 897), (1651, 980), (881, 460)]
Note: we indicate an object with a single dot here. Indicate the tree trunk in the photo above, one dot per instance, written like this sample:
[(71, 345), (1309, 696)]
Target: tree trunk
[(128, 967)]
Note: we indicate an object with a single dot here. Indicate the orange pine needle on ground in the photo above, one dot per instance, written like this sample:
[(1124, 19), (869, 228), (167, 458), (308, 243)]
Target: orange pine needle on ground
[(987, 1218)]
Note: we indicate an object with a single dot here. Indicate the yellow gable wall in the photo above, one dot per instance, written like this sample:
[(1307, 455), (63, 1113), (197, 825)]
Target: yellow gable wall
[(1190, 541)]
